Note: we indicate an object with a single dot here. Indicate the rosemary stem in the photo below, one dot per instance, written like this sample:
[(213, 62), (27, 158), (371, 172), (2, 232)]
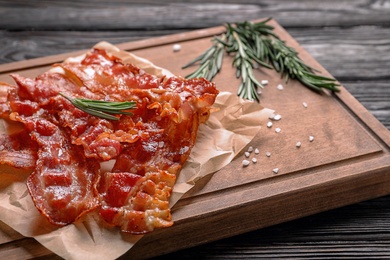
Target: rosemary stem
[(256, 43)]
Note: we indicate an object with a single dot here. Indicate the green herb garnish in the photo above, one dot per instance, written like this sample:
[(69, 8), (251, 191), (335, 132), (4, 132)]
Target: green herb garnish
[(102, 109), (210, 61), (255, 44)]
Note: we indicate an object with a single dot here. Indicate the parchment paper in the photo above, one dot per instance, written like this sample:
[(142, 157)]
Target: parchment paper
[(229, 129)]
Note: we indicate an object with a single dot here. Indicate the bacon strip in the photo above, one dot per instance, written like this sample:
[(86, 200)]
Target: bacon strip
[(4, 88), (63, 184), (17, 150)]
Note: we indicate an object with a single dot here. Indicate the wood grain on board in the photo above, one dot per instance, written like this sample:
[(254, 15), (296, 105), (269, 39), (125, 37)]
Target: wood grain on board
[(347, 162)]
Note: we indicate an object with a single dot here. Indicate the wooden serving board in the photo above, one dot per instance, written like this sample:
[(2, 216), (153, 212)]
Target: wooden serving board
[(348, 161)]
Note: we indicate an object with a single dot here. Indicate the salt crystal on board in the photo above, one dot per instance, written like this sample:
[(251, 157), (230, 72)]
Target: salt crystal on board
[(264, 82), (277, 117), (245, 163), (176, 47)]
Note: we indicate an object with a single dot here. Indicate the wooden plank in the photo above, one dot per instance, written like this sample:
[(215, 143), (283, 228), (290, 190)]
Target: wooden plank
[(362, 49), (374, 96), (358, 231), (15, 47), (348, 162), (39, 65), (26, 248), (185, 14)]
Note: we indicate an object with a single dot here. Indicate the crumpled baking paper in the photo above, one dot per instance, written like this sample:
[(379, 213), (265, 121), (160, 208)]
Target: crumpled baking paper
[(232, 125)]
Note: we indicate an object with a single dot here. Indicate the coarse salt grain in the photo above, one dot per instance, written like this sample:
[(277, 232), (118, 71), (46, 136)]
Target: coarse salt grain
[(304, 104), (257, 151), (278, 130), (176, 47), (247, 154), (269, 124), (268, 154), (250, 149), (280, 87), (298, 144), (277, 117), (311, 138), (254, 160), (264, 82), (271, 116), (245, 163), (275, 170)]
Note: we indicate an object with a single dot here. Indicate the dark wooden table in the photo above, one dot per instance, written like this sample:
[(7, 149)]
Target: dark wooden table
[(351, 39)]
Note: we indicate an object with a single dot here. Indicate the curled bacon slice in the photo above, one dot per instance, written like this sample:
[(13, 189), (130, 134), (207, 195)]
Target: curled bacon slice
[(17, 150), (4, 89), (137, 204), (63, 184)]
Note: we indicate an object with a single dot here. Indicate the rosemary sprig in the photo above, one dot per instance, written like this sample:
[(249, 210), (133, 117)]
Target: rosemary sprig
[(244, 63), (255, 44), (210, 61), (102, 109), (287, 62)]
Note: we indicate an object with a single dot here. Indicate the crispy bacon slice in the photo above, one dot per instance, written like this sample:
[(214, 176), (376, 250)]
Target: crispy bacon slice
[(18, 150), (149, 147), (63, 184), (4, 89), (137, 204)]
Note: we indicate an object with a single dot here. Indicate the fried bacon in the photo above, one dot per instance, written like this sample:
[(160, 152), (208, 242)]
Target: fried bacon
[(63, 185), (149, 147), (17, 150), (4, 89)]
